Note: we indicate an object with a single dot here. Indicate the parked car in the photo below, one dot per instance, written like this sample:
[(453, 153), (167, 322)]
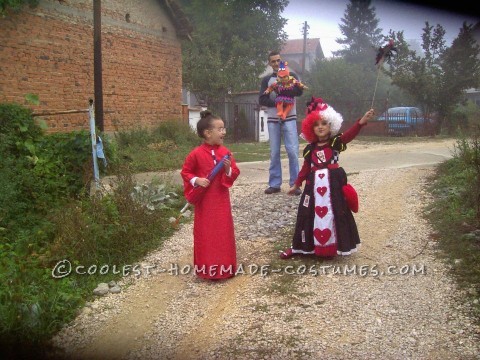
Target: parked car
[(402, 120)]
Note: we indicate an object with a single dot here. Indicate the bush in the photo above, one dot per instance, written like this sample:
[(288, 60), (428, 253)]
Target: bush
[(455, 214), (162, 148), (115, 228), (38, 175), (46, 215), (467, 152)]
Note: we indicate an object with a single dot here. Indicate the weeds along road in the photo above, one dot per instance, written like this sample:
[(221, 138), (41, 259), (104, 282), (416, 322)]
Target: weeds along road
[(394, 299)]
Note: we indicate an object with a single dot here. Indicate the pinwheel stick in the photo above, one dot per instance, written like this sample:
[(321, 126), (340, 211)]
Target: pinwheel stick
[(375, 89), (385, 52)]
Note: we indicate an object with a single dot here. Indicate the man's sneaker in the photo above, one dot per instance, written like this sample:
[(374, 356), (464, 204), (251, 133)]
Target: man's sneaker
[(272, 190)]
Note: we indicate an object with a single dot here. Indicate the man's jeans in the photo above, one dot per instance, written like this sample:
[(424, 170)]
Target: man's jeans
[(287, 130)]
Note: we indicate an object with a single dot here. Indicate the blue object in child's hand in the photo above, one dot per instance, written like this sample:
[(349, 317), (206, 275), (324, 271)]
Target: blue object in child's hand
[(217, 167)]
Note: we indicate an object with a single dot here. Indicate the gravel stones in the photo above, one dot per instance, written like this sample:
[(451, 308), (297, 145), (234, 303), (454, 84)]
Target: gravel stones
[(406, 305)]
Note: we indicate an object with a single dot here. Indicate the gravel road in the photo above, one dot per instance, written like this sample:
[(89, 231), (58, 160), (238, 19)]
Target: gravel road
[(394, 299)]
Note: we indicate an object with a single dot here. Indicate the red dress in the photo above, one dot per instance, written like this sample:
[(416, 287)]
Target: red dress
[(213, 233)]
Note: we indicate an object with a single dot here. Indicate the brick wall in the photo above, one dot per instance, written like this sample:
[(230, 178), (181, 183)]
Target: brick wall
[(48, 51)]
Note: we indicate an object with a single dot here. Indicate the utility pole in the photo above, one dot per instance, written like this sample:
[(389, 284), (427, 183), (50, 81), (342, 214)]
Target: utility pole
[(305, 32), (97, 63)]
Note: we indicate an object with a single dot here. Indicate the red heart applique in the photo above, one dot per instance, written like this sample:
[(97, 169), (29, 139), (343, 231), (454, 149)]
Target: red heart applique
[(322, 236), (322, 190), (321, 175), (321, 211)]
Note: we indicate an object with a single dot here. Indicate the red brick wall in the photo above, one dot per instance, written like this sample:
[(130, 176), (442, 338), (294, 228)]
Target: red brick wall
[(48, 51)]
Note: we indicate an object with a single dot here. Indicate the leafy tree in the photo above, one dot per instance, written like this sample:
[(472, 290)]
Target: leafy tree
[(230, 44), (349, 88), (361, 33), (461, 71), (438, 80), (5, 5)]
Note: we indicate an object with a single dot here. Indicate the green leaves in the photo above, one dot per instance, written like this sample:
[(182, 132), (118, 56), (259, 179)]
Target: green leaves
[(437, 81), (14, 5), (153, 196), (361, 33), (230, 44), (32, 99)]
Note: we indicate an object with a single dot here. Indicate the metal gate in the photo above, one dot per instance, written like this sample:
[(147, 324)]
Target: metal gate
[(240, 119)]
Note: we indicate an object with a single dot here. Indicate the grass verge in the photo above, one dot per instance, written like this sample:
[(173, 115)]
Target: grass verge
[(455, 216)]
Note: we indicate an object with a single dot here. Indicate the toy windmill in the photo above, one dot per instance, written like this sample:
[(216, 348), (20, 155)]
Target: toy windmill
[(384, 53)]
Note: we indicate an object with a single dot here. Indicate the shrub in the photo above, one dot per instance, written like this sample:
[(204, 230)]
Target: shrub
[(162, 148), (467, 151), (46, 216)]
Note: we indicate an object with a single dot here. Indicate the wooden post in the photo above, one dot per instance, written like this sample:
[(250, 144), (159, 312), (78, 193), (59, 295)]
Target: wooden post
[(305, 32), (93, 139), (97, 63)]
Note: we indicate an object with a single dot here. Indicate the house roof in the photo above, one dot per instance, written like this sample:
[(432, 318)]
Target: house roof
[(295, 46), (182, 25)]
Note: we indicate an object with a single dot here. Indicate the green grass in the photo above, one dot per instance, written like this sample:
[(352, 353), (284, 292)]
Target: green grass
[(456, 219), (245, 152)]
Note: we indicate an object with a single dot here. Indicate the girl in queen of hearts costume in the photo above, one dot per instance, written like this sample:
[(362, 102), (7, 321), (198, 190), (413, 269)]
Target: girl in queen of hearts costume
[(325, 225)]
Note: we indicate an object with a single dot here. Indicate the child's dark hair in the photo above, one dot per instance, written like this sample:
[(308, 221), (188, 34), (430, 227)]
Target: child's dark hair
[(205, 122)]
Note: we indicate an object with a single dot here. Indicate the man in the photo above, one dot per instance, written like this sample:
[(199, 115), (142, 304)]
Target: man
[(278, 128)]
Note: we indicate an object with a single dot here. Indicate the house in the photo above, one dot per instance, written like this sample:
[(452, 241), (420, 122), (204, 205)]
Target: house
[(292, 52), (47, 50)]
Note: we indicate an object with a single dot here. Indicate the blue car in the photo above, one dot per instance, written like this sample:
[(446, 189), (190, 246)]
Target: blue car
[(402, 120)]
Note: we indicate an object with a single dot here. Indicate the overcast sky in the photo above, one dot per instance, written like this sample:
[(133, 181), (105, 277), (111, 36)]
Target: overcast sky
[(324, 17)]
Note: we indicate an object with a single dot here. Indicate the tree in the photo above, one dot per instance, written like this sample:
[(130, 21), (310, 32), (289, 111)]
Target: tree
[(461, 71), (438, 80), (230, 44), (14, 5), (348, 87), (361, 33)]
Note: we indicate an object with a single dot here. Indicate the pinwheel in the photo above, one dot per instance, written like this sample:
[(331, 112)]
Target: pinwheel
[(384, 53)]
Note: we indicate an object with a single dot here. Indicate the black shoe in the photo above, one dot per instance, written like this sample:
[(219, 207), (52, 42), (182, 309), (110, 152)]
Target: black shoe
[(298, 192), (272, 190)]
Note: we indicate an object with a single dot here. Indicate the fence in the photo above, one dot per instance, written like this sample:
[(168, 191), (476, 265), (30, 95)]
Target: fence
[(97, 145), (241, 119)]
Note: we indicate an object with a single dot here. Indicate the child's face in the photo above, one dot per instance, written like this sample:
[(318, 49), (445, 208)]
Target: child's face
[(215, 135), (283, 79), (322, 129)]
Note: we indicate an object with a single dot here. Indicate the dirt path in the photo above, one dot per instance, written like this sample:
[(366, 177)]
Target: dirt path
[(355, 307)]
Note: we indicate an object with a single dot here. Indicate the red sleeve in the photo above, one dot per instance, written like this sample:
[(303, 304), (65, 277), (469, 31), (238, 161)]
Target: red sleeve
[(227, 181), (351, 133), (302, 175), (188, 172)]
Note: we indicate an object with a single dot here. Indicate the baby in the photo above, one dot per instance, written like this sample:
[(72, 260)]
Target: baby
[(283, 86)]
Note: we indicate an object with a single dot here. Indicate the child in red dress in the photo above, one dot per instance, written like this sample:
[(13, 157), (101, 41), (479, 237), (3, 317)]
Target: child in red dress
[(325, 225), (213, 233)]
